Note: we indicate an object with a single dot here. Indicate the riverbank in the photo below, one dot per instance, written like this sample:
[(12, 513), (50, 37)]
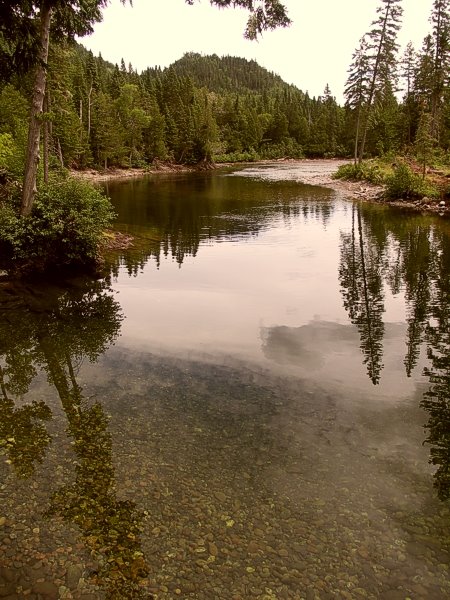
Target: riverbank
[(311, 171), (320, 172), (154, 169)]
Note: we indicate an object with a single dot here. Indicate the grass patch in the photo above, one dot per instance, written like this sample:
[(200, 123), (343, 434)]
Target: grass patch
[(365, 171)]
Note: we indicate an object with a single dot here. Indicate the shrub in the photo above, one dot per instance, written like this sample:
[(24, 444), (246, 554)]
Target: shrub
[(360, 172), (288, 148), (404, 183), (64, 229), (236, 157), (12, 154), (6, 149)]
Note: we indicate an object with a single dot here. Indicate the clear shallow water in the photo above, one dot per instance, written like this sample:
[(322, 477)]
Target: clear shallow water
[(237, 411)]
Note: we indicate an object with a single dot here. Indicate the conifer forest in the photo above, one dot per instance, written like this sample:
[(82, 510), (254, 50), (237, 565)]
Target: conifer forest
[(211, 108)]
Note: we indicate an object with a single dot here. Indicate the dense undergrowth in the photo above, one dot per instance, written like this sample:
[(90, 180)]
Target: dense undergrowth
[(403, 179), (65, 229)]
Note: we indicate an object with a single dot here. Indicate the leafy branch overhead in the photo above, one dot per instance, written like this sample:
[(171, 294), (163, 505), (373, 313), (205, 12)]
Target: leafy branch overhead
[(264, 14), (20, 21)]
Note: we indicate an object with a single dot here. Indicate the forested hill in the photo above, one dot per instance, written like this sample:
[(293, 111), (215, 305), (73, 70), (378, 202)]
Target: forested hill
[(211, 108), (227, 73)]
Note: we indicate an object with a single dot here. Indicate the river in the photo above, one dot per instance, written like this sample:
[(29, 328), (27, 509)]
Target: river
[(252, 403)]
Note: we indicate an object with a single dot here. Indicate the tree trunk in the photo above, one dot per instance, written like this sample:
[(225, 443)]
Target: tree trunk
[(34, 128), (438, 86), (45, 141), (89, 112), (60, 154), (373, 84), (358, 121)]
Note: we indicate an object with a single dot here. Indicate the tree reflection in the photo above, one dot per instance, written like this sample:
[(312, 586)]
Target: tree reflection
[(360, 274), (387, 249), (22, 431), (171, 217), (56, 331), (110, 527), (437, 400)]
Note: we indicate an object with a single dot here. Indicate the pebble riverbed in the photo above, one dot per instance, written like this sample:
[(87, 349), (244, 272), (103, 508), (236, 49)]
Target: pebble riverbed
[(242, 486)]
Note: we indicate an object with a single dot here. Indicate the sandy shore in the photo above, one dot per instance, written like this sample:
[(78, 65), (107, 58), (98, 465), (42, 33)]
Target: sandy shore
[(108, 174)]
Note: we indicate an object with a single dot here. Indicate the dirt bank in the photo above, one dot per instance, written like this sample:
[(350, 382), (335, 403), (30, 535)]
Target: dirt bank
[(320, 171), (155, 168)]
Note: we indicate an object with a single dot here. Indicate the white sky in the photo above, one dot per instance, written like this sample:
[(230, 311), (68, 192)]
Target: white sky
[(315, 50)]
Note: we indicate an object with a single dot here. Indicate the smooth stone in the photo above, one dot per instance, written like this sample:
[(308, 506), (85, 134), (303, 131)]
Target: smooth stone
[(7, 574), (395, 595), (213, 550), (7, 589), (73, 576), (47, 589), (253, 548)]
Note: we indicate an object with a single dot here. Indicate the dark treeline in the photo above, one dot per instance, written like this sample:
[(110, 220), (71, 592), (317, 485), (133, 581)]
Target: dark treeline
[(166, 227), (202, 108)]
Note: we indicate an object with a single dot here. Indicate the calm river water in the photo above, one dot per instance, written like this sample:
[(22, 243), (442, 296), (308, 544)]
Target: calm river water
[(239, 409)]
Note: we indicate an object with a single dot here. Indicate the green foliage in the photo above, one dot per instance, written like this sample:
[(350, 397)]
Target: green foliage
[(225, 74), (65, 228), (289, 148), (404, 183), (233, 157), (12, 155), (13, 131), (364, 171), (263, 14), (6, 149), (13, 111), (424, 143)]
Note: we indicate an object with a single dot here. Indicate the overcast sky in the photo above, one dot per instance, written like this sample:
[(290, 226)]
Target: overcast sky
[(315, 50)]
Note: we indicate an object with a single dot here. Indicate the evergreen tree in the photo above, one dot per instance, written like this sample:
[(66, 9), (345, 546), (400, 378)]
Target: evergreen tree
[(424, 143), (69, 18), (383, 45), (408, 66), (133, 120), (357, 86), (107, 137), (440, 20)]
